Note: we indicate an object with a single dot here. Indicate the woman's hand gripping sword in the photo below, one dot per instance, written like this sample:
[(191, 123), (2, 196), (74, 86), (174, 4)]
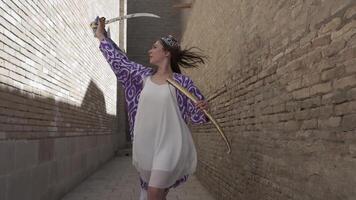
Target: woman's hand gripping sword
[(194, 99)]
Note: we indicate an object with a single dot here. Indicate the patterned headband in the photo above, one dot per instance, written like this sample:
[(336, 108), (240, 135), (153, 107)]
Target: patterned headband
[(170, 41)]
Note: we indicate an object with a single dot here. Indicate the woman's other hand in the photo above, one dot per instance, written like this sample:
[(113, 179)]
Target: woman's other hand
[(202, 105)]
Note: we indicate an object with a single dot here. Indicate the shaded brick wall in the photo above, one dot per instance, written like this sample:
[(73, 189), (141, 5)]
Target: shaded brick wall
[(57, 97), (282, 83)]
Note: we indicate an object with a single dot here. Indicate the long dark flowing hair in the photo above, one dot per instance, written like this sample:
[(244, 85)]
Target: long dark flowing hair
[(186, 58)]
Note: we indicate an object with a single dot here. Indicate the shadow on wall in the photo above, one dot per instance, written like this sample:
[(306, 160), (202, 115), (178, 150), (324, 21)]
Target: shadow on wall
[(25, 116), (48, 147)]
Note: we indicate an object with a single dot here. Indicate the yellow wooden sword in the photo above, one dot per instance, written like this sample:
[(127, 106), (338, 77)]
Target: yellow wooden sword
[(194, 99)]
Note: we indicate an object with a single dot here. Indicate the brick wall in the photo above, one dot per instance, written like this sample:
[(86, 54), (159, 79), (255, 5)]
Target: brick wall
[(282, 82), (58, 118)]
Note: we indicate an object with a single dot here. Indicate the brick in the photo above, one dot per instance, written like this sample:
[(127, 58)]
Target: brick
[(344, 55), (301, 93), (4, 71), (293, 85), (334, 48), (321, 41), (310, 103), (331, 26), (291, 125), (278, 108), (308, 38), (302, 115), (345, 108), (350, 12), (312, 57), (350, 66), (310, 79), (321, 88), (348, 122), (347, 54), (332, 122), (301, 51), (277, 57), (309, 124), (325, 112), (351, 93), (333, 73), (345, 82), (325, 65), (345, 32)]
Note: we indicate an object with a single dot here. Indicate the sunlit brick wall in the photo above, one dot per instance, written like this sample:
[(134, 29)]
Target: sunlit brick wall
[(58, 118)]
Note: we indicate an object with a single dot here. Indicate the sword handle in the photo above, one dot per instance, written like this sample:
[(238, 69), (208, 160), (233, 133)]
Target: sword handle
[(94, 24)]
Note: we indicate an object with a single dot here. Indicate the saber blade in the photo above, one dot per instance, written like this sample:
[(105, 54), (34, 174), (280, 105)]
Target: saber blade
[(131, 16), (134, 15)]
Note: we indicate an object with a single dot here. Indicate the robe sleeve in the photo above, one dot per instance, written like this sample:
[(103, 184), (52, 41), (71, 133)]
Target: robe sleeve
[(196, 116), (123, 68)]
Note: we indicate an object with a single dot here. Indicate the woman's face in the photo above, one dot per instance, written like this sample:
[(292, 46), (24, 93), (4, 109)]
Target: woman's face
[(157, 54)]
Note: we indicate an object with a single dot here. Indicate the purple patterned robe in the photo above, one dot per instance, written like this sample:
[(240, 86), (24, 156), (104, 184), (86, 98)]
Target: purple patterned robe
[(131, 75)]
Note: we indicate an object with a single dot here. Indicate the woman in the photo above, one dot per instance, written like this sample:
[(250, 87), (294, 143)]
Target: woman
[(163, 150)]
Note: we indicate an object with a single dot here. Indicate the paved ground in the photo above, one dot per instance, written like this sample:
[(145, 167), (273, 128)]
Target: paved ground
[(118, 180)]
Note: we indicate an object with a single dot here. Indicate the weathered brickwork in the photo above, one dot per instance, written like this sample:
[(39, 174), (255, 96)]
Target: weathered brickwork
[(281, 78), (58, 108)]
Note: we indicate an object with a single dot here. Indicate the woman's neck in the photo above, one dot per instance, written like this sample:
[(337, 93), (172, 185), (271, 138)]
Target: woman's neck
[(164, 71)]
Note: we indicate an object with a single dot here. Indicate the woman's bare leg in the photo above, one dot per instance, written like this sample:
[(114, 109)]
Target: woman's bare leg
[(165, 194), (155, 193)]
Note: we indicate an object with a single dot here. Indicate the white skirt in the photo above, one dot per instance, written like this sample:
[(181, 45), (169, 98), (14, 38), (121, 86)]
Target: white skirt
[(163, 148)]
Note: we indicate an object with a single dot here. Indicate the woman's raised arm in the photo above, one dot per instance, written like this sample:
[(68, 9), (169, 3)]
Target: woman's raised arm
[(120, 64), (124, 68)]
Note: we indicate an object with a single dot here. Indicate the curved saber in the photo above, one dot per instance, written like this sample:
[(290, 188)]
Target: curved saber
[(94, 24), (131, 16), (194, 99)]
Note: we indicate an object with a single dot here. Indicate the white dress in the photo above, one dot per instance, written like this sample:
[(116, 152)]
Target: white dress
[(163, 148)]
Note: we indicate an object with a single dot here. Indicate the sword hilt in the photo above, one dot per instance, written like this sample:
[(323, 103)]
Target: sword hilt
[(94, 25)]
